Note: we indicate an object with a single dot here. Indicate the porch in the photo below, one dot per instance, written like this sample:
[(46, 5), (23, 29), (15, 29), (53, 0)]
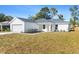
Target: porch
[(4, 25)]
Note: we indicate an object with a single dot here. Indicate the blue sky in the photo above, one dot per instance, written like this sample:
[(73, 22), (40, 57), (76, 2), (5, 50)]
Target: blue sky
[(29, 10)]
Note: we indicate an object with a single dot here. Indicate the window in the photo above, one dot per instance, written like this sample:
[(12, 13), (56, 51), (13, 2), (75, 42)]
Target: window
[(56, 27), (43, 26)]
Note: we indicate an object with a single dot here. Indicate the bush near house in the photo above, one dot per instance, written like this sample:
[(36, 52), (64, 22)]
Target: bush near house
[(6, 28)]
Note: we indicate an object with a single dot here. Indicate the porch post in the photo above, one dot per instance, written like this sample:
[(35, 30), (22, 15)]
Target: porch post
[(1, 28)]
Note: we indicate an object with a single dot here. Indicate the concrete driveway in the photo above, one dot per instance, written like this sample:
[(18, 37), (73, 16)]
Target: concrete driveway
[(3, 33)]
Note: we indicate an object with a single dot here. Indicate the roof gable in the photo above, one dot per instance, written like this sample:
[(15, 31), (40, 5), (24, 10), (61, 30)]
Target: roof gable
[(22, 19)]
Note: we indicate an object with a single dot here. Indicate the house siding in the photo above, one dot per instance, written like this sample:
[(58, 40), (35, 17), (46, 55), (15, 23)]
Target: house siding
[(63, 27), (17, 22), (29, 25), (49, 26), (53, 27)]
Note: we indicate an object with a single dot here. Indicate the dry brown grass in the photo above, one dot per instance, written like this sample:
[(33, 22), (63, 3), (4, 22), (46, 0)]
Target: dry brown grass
[(45, 43)]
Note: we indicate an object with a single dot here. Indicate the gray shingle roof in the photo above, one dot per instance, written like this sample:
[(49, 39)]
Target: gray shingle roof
[(44, 20), (25, 20), (52, 20)]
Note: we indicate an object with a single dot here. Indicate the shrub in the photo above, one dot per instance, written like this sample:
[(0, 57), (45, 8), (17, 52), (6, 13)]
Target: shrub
[(6, 28)]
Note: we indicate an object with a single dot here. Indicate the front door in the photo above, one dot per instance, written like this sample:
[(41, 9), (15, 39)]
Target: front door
[(50, 28)]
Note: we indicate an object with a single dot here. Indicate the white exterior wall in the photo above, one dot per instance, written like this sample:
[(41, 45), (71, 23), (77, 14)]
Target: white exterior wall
[(29, 25), (53, 27), (46, 26), (63, 27), (16, 21)]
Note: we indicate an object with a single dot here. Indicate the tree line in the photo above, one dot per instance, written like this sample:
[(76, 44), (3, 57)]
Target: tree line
[(4, 17)]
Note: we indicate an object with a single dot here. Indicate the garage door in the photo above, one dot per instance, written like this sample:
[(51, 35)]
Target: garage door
[(17, 28)]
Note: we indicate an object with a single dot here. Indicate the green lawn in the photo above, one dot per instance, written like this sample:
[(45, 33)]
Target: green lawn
[(54, 42)]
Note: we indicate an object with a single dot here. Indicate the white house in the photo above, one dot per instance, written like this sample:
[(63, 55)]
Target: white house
[(24, 25)]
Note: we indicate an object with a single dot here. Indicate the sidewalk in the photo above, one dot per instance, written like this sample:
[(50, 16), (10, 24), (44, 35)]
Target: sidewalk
[(3, 33)]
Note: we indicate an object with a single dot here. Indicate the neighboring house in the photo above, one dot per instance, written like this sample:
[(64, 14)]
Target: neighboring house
[(50, 25), (4, 24)]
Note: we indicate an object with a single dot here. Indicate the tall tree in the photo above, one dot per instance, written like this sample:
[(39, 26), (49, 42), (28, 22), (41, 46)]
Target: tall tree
[(74, 15), (8, 18), (61, 17), (2, 17), (47, 14), (43, 13), (53, 11)]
